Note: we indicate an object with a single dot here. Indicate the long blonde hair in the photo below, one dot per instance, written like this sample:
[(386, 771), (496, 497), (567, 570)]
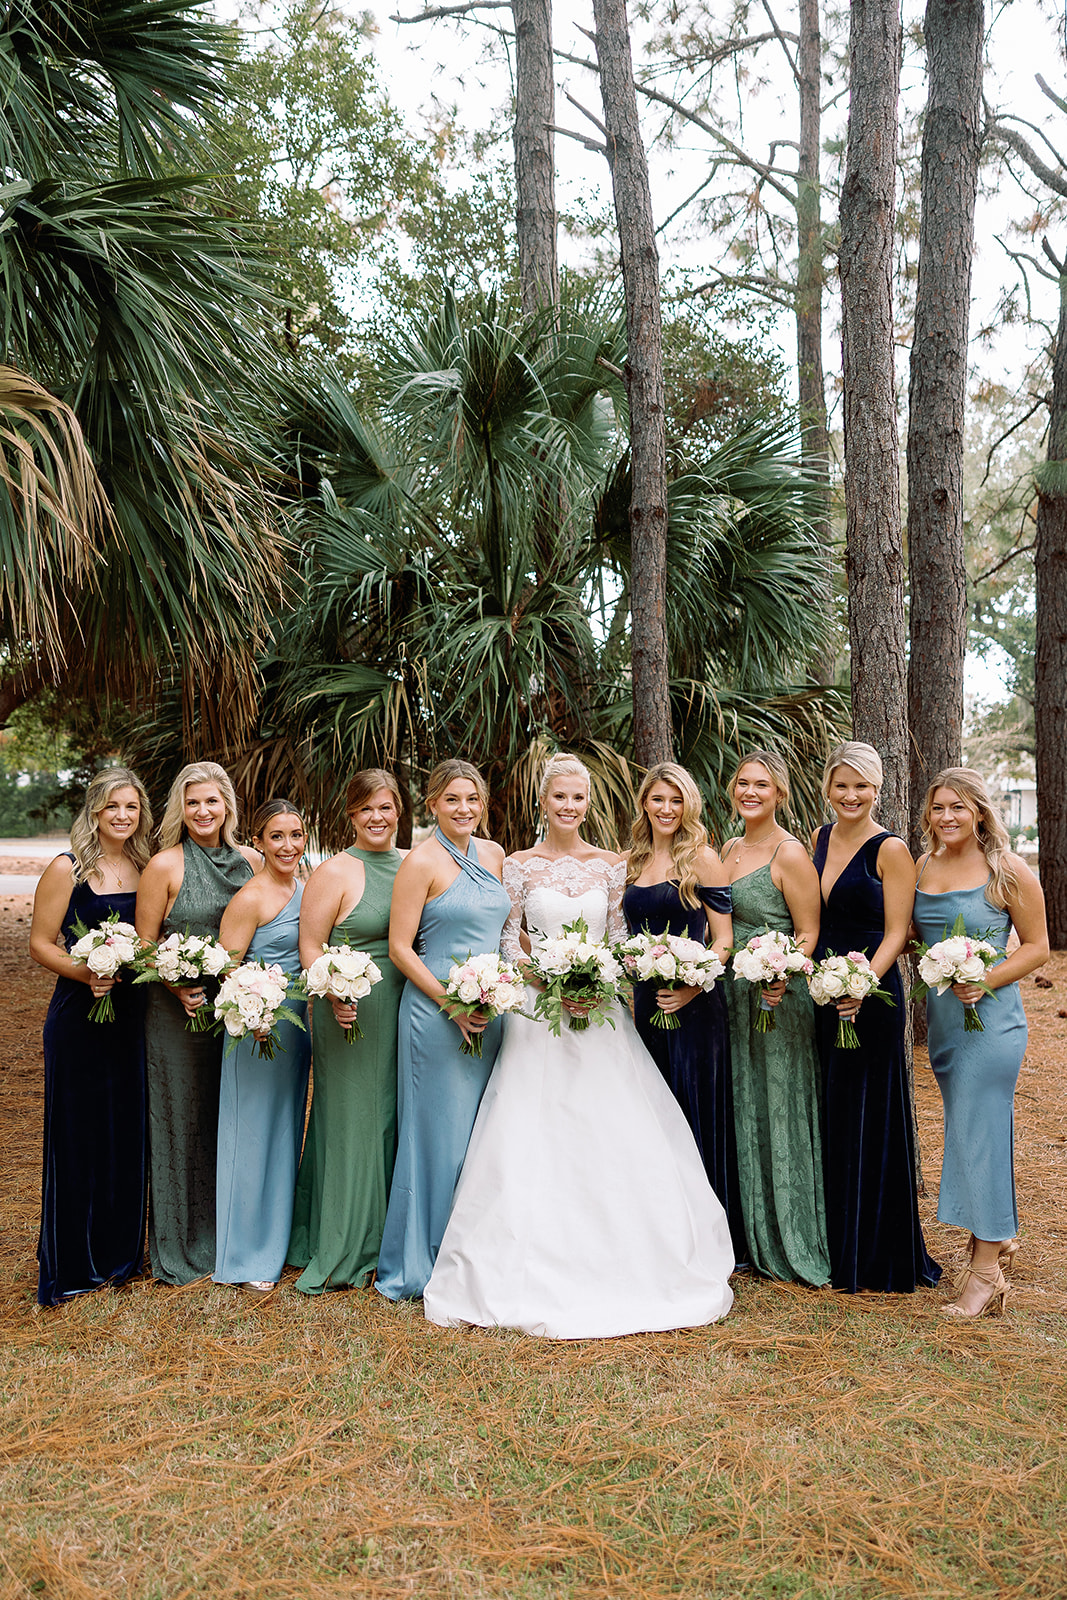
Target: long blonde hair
[(862, 758), (989, 830), (687, 841), (172, 827), (85, 829)]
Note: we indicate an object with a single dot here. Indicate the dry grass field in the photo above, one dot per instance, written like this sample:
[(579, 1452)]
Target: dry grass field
[(161, 1443)]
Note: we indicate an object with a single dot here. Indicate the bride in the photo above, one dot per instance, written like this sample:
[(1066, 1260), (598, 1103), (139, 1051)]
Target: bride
[(583, 1209)]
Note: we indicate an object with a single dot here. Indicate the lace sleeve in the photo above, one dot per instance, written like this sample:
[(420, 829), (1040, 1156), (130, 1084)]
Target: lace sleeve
[(515, 884), (617, 928)]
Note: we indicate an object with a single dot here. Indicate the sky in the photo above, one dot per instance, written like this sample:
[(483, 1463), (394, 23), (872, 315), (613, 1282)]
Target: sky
[(439, 67)]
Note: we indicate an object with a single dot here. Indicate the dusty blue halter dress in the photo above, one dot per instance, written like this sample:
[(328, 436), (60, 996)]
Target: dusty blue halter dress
[(439, 1089)]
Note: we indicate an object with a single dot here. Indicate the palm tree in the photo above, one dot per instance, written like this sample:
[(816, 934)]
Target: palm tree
[(466, 570), (137, 536)]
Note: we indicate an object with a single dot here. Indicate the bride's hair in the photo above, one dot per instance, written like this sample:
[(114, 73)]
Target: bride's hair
[(989, 830), (688, 840), (562, 765)]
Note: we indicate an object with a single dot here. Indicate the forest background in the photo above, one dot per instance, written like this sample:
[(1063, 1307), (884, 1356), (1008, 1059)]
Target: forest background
[(341, 499)]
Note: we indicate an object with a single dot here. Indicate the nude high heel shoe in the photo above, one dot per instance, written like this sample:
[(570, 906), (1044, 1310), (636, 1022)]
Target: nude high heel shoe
[(1008, 1251), (998, 1287)]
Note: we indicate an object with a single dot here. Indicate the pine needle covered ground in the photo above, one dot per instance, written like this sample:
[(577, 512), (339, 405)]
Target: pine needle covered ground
[(170, 1443)]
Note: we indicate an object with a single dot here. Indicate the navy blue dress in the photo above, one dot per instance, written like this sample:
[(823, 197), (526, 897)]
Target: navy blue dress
[(872, 1215), (93, 1190), (694, 1058)]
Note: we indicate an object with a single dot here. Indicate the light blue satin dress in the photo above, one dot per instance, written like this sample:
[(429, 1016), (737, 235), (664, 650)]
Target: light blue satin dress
[(976, 1073), (439, 1089), (261, 1126)]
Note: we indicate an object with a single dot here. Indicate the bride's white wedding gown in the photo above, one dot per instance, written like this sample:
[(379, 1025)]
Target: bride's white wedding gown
[(583, 1209)]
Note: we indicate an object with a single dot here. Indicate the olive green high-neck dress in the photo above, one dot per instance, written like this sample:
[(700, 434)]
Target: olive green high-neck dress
[(343, 1185)]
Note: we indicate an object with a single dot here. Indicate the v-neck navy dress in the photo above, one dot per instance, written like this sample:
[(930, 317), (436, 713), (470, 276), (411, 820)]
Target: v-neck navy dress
[(872, 1215)]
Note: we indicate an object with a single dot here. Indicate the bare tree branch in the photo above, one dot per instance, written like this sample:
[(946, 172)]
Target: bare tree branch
[(577, 104), (1056, 181), (454, 11), (582, 138), (780, 36), (1020, 550), (1052, 95)]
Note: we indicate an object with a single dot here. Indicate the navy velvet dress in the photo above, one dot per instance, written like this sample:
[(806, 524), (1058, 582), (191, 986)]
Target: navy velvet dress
[(694, 1058), (93, 1193), (872, 1215)]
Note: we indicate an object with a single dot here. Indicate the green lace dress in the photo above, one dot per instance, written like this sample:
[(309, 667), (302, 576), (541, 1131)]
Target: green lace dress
[(776, 1106), (347, 1166)]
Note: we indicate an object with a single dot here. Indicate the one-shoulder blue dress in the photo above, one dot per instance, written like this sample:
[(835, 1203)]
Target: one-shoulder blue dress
[(439, 1089), (261, 1126), (976, 1073)]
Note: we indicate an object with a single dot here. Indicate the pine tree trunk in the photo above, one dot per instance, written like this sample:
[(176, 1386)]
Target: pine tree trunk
[(652, 735), (811, 383), (938, 392), (535, 168), (1050, 667), (874, 558)]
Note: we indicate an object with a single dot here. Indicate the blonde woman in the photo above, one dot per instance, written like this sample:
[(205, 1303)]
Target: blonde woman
[(969, 871), (867, 880), (185, 889), (776, 1074), (675, 883), (93, 1186), (583, 1210), (447, 901)]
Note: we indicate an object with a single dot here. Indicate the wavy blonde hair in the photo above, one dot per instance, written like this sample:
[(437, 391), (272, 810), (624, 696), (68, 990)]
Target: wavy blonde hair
[(989, 830), (774, 765), (172, 827), (688, 840), (85, 829), (447, 772)]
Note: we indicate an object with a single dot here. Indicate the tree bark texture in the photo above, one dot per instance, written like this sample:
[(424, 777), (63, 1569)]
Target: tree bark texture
[(873, 555), (535, 166), (938, 392), (1050, 667), (815, 440), (653, 740)]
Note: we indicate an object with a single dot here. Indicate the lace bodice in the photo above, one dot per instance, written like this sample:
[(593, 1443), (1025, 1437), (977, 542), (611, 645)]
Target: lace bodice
[(550, 894)]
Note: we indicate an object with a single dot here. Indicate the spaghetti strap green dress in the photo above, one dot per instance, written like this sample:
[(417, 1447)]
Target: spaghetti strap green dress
[(343, 1185), (777, 1083), (183, 1070)]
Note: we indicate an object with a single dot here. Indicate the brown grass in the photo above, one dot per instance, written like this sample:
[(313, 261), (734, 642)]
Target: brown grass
[(163, 1443)]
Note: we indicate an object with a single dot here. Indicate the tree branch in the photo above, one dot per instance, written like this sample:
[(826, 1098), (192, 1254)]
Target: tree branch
[(1020, 550), (778, 34), (1015, 141), (577, 104), (582, 138), (455, 11)]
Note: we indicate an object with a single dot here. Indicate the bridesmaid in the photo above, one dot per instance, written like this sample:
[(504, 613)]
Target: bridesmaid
[(347, 1165), (677, 884), (969, 870), (776, 1074), (448, 901), (93, 1182), (261, 1102), (868, 890), (186, 888)]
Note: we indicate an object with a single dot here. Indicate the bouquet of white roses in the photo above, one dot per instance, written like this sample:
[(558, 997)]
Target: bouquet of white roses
[(845, 977), (105, 949), (671, 961), (485, 984), (184, 958), (765, 959), (573, 966), (957, 958), (344, 974), (251, 999)]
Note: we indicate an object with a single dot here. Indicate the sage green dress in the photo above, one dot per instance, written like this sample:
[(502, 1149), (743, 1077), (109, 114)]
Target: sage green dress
[(776, 1106), (183, 1071), (343, 1185)]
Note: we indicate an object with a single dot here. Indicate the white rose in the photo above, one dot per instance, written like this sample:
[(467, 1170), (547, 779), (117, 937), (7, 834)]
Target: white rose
[(215, 959), (859, 986), (103, 961), (469, 992)]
